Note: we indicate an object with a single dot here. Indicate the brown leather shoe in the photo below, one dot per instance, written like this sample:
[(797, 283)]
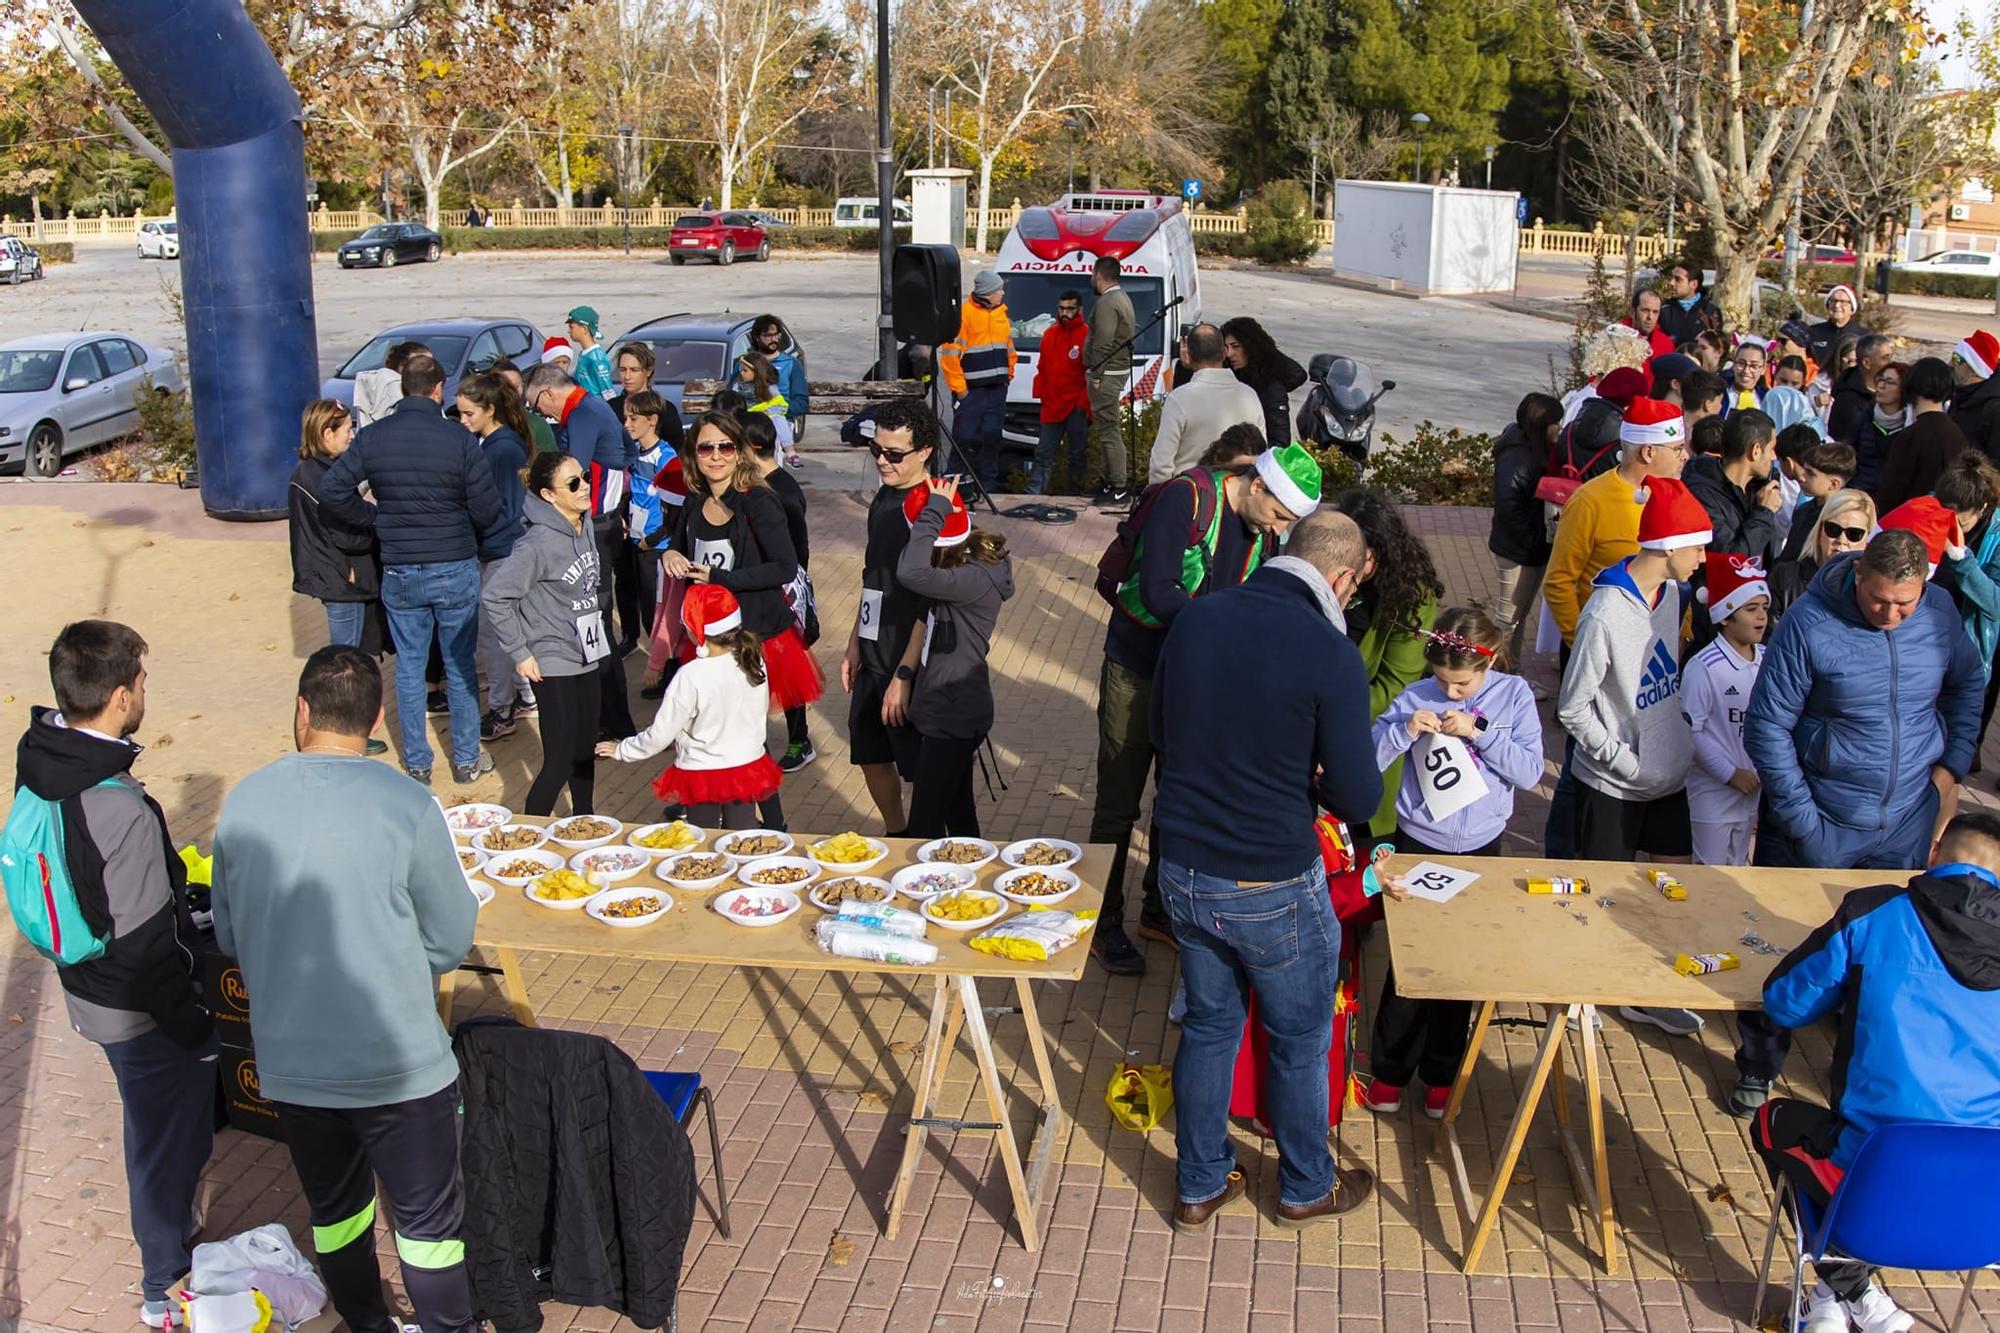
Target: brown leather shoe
[(1195, 1216), (1159, 929), (1350, 1187)]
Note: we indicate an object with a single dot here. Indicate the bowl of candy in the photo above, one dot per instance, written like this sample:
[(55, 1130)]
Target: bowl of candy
[(757, 907), (475, 817), (610, 865), (919, 882)]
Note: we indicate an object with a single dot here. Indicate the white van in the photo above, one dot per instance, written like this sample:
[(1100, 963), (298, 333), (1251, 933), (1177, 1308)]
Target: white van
[(862, 211), (1052, 250)]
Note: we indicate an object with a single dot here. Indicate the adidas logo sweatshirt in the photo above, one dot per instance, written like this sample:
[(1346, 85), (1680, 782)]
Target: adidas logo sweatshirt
[(1621, 694)]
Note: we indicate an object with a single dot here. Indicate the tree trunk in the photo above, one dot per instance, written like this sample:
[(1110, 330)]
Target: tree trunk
[(35, 203), (985, 198), (1560, 211), (1735, 283), (730, 165), (568, 199)]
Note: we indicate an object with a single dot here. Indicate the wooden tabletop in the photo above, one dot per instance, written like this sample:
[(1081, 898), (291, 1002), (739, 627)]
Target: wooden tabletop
[(694, 933), (1496, 941)]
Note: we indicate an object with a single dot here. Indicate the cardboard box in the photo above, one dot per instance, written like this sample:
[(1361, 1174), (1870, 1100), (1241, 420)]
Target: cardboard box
[(240, 1095), (239, 1098)]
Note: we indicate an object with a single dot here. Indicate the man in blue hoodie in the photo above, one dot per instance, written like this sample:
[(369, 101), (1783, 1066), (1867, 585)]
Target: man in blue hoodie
[(1914, 971)]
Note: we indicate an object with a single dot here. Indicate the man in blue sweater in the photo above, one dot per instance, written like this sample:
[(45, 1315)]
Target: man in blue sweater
[(434, 505), (1240, 870), (342, 926)]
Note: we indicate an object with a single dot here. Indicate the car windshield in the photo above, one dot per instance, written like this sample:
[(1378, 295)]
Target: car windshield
[(378, 234), (1031, 305), (679, 362), (446, 347), (171, 228), (29, 370), (693, 220)]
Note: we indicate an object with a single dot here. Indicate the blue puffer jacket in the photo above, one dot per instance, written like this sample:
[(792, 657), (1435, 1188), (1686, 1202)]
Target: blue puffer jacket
[(1847, 720), (1916, 974), (434, 496), (792, 386)]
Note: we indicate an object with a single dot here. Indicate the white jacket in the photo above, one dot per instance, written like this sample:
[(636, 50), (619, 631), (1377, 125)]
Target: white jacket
[(376, 393), (711, 712), (1194, 417)]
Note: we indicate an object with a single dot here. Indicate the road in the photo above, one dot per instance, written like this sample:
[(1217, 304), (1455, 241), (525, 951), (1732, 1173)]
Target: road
[(1459, 363)]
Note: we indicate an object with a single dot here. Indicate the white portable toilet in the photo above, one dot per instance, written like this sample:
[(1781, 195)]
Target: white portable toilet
[(937, 205)]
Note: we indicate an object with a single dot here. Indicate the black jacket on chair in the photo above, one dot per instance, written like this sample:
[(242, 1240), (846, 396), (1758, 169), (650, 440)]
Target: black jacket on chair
[(579, 1186)]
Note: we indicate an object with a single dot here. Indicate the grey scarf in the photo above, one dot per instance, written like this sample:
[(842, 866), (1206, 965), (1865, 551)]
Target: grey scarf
[(1322, 591)]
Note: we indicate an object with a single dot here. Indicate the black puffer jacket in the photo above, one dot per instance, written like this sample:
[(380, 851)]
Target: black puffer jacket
[(1975, 410), (1276, 396), (1520, 531), (332, 559), (434, 497), (579, 1187)]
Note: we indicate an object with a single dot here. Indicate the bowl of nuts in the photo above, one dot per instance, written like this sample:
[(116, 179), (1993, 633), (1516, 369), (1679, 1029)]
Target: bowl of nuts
[(779, 872), (517, 870), (970, 853), (627, 908), (1032, 885)]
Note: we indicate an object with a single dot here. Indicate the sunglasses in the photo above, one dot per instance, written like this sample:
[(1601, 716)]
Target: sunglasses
[(893, 457), (714, 447), (575, 483), (1835, 531)]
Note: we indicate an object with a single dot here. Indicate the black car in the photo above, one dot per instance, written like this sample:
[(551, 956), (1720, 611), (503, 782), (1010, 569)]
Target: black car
[(389, 244)]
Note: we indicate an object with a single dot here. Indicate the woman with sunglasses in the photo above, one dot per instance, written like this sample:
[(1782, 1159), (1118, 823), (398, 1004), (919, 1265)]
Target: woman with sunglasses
[(1845, 522), (542, 600)]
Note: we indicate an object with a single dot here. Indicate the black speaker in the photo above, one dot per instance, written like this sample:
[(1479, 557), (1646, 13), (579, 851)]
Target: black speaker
[(924, 287)]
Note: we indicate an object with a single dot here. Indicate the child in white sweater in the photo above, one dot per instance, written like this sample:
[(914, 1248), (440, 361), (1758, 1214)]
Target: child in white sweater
[(1715, 693)]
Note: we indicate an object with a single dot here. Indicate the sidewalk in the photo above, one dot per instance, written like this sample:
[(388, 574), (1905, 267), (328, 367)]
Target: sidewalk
[(811, 1071)]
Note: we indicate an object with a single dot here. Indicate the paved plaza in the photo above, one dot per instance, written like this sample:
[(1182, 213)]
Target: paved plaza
[(812, 1070)]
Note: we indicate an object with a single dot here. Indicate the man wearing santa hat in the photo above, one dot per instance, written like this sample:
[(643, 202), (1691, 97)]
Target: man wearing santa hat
[(1975, 407)]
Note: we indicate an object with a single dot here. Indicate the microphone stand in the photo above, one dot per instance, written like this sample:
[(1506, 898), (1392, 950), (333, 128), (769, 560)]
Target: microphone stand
[(1131, 417)]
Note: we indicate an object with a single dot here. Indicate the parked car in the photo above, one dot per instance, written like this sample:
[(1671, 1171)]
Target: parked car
[(64, 392), (463, 346), (1817, 254), (160, 240), (719, 235), (765, 218), (698, 347), (1974, 263), (865, 210), (389, 244), (19, 261)]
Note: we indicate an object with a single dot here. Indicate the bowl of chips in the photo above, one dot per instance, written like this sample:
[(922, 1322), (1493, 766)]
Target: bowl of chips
[(475, 817), (779, 872), (751, 843), (1033, 885), (1042, 853), (849, 852), (610, 865), (829, 894), (580, 833), (757, 907), (628, 908), (969, 853), (697, 872), (517, 870), (963, 909), (919, 882), (666, 839), (564, 890), (506, 838)]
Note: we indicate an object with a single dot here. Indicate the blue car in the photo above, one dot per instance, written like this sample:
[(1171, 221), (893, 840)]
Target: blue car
[(463, 346)]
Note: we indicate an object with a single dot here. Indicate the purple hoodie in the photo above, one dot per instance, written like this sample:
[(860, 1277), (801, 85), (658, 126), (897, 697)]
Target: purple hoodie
[(1508, 753)]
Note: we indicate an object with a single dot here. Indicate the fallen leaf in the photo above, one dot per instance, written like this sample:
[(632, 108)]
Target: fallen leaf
[(147, 542), (872, 1099), (270, 647), (193, 716), (164, 741), (16, 1020), (235, 596), (895, 1047), (839, 1251), (1719, 1193), (79, 524)]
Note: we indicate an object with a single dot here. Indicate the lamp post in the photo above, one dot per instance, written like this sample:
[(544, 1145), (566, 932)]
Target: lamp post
[(1072, 124), (624, 184), (1490, 150), (1421, 122), (885, 191), (1312, 145)]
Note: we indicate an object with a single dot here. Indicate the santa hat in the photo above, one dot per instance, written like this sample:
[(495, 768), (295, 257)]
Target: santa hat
[(1293, 477), (1651, 421), (1672, 518), (1733, 581), (957, 524), (1836, 290), (670, 482), (709, 609), (1929, 520), (1981, 351), (1619, 387), (558, 347)]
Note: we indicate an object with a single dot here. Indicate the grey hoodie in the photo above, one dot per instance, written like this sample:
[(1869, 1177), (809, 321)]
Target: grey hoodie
[(954, 695), (1621, 694), (539, 592)]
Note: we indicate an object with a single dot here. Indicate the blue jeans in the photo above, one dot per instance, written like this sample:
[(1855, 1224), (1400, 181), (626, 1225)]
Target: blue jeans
[(440, 599), (344, 621), (1077, 426), (976, 427), (1282, 942)]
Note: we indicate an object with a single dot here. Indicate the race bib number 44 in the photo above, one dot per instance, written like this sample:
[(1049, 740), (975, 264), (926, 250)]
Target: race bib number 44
[(590, 637)]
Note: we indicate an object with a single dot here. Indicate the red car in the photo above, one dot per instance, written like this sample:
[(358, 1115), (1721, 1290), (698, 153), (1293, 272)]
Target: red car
[(720, 236)]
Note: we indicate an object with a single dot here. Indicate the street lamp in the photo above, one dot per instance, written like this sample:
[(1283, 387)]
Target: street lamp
[(624, 183), (1073, 125), (1422, 122), (1313, 145), (1490, 150)]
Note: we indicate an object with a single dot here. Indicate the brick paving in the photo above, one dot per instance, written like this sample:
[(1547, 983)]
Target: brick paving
[(811, 1071)]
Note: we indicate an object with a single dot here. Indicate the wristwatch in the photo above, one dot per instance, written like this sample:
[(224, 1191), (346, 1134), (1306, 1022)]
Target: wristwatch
[(905, 672)]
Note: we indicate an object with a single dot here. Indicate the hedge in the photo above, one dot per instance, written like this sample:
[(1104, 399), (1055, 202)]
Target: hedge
[(1815, 278), (56, 252)]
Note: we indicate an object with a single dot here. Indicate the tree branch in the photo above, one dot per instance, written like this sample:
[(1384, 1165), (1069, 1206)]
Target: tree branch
[(144, 147)]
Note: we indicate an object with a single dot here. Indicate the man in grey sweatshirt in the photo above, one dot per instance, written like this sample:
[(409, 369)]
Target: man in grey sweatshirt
[(338, 889)]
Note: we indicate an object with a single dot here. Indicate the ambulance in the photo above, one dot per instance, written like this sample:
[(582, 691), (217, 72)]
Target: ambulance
[(1051, 251)]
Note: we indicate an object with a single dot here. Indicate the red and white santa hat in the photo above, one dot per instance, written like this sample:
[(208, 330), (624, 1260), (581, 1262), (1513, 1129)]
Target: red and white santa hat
[(670, 482), (1672, 518), (1653, 421), (558, 347), (1981, 351), (1733, 581), (1929, 520), (1836, 290), (707, 609), (957, 526)]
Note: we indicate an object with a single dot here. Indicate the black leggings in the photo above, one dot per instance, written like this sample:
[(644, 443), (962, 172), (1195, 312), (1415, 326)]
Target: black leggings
[(941, 801), (569, 743), (1426, 1038)]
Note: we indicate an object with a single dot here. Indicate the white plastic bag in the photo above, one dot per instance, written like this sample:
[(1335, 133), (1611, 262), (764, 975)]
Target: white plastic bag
[(263, 1258)]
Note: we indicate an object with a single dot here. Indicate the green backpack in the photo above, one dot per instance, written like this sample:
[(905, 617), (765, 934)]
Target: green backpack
[(64, 926)]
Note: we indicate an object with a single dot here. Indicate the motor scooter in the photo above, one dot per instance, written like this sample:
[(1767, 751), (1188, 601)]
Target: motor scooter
[(1340, 407)]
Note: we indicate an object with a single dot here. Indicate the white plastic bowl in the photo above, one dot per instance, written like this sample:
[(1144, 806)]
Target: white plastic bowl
[(879, 852), (999, 904), (726, 903), (989, 852), (486, 814), (666, 872), (1014, 851), (888, 891), (584, 844), (482, 892), (1004, 886), (610, 873), (905, 880), (632, 839), (747, 872), (725, 841), (542, 857), (479, 843), (595, 907), (558, 904)]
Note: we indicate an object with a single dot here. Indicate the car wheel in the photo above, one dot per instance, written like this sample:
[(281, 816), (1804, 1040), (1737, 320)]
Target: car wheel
[(388, 259), (431, 255), (45, 451), (14, 278), (764, 251), (678, 260), (728, 255)]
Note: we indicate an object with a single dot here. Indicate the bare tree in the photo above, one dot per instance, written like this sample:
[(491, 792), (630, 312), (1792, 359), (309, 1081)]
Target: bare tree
[(1133, 57), (1616, 178)]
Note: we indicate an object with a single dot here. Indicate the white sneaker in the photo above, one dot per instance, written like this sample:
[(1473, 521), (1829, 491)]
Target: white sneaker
[(1824, 1312), (1877, 1312), (153, 1314), (1673, 1022)]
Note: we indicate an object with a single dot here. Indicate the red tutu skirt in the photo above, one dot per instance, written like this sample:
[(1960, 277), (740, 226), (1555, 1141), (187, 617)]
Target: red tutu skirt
[(793, 674), (748, 783)]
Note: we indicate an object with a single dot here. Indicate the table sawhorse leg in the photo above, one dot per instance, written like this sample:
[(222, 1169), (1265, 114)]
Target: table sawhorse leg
[(511, 986), (940, 1037)]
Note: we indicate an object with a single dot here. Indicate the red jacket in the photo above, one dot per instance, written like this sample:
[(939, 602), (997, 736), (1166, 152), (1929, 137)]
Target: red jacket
[(1658, 340), (1059, 371)]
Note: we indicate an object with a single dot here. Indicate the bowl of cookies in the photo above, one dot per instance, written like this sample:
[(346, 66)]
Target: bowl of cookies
[(829, 894), (504, 838), (697, 872), (968, 853), (580, 833), (849, 853), (1042, 853), (751, 843), (963, 909), (1032, 885), (627, 908)]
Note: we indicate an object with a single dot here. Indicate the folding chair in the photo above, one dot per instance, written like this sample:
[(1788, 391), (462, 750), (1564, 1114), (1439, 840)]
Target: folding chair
[(680, 1092), (1919, 1196)]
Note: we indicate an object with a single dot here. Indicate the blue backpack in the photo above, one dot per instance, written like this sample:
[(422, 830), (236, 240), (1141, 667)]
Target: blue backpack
[(41, 893)]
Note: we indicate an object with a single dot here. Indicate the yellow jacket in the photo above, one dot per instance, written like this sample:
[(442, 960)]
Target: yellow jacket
[(983, 353), (1599, 527)]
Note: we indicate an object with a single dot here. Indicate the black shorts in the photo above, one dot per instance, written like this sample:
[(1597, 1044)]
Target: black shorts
[(869, 739), (1611, 828)]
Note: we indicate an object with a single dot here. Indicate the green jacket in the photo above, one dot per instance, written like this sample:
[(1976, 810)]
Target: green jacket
[(1393, 657)]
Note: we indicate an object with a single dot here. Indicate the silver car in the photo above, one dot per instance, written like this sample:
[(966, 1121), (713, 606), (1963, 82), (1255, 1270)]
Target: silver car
[(64, 392)]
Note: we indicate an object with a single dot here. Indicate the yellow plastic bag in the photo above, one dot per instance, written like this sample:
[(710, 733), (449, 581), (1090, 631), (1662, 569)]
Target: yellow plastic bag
[(1139, 1096)]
